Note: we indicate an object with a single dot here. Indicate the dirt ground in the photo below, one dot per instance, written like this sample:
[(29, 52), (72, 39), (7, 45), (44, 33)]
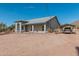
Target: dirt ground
[(39, 44)]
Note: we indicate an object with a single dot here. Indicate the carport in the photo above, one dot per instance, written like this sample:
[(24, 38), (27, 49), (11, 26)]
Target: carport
[(68, 28)]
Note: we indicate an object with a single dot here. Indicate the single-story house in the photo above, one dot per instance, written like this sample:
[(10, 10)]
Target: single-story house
[(37, 25)]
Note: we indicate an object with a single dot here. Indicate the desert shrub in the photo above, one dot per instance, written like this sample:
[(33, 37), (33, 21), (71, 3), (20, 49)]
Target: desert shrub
[(50, 30), (11, 27)]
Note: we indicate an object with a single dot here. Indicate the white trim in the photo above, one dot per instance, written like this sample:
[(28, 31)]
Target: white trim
[(44, 27), (32, 28), (20, 26), (15, 27)]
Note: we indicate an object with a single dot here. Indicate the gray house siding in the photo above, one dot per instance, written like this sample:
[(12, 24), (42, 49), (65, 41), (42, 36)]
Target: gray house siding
[(29, 27), (52, 24), (38, 27)]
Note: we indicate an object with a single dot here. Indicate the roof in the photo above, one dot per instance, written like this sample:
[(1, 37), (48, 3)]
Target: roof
[(40, 20), (67, 25), (37, 20), (23, 21)]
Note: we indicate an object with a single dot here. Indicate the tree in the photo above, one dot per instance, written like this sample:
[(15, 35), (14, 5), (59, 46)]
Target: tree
[(3, 27), (11, 27)]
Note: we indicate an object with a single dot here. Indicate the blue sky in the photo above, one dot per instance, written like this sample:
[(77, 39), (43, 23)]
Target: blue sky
[(66, 13)]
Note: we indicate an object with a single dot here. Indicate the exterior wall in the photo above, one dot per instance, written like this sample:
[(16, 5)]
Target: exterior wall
[(52, 24), (37, 27), (29, 28)]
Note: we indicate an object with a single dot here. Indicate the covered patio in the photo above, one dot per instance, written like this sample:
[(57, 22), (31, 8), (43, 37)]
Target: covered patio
[(19, 27)]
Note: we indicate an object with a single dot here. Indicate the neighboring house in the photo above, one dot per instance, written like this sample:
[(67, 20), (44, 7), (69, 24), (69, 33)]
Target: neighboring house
[(37, 25)]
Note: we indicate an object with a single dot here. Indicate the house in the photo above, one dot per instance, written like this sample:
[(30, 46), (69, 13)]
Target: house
[(37, 25)]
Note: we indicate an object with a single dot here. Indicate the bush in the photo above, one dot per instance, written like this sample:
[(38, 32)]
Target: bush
[(11, 28), (49, 30)]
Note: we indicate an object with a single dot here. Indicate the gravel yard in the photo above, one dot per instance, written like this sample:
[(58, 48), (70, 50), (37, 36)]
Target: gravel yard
[(39, 44)]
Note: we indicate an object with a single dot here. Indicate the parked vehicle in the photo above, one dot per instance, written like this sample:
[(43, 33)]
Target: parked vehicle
[(67, 31)]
